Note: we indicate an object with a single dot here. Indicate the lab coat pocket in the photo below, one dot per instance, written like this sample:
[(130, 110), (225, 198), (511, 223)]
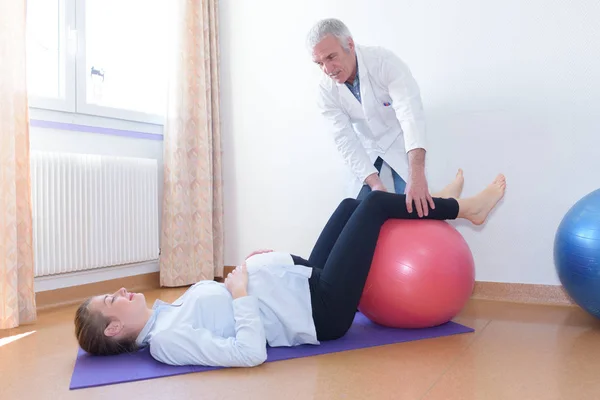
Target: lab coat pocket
[(387, 112), (378, 120)]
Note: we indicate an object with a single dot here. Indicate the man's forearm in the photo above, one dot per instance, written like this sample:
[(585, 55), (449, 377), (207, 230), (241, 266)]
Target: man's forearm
[(416, 162), (374, 182)]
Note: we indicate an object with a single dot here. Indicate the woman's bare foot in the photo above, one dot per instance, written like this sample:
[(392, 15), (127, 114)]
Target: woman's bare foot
[(454, 188), (476, 209)]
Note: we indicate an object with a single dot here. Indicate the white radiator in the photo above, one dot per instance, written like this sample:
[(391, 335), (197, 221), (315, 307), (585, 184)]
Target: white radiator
[(92, 211)]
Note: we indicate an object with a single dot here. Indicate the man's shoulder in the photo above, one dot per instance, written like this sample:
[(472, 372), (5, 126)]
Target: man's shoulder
[(382, 62), (375, 53)]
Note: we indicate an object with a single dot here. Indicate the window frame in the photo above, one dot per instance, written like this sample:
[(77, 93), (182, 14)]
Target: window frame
[(73, 38), (67, 41)]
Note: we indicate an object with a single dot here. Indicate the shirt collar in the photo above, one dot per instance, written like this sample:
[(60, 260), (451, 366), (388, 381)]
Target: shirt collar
[(356, 78), (141, 339)]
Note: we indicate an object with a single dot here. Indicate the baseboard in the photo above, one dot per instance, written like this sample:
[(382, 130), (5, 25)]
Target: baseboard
[(522, 293), (496, 291), (226, 270), (76, 294), (60, 281), (510, 292)]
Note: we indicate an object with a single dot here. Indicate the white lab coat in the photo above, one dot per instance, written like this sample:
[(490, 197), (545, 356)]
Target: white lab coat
[(362, 132)]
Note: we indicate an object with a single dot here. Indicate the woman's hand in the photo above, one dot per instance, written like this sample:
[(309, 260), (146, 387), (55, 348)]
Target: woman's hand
[(237, 282), (261, 251)]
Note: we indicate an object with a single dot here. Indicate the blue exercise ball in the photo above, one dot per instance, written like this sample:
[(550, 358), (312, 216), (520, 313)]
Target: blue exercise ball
[(577, 253)]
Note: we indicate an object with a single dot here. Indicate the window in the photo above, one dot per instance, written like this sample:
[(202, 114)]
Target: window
[(99, 57), (48, 65)]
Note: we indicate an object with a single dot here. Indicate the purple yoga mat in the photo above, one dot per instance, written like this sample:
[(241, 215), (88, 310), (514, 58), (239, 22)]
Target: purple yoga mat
[(93, 371)]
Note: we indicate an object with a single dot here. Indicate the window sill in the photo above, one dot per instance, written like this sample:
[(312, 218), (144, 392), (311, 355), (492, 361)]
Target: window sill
[(93, 124)]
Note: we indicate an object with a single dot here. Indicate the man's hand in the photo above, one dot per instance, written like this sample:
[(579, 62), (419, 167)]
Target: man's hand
[(255, 252), (375, 183), (417, 189), (237, 282)]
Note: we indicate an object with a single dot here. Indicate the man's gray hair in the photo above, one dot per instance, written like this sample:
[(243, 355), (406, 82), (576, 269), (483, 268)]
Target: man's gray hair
[(330, 26)]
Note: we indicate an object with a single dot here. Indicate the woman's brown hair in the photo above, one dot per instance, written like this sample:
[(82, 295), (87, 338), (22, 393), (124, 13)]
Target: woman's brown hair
[(89, 330)]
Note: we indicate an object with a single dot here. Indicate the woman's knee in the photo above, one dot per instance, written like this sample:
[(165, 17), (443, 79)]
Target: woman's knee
[(375, 197), (349, 203)]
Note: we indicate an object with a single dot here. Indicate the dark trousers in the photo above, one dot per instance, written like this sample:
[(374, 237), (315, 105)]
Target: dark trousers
[(342, 255)]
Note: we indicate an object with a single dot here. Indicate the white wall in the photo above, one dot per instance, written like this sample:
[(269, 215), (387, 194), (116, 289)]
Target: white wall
[(43, 139), (508, 86)]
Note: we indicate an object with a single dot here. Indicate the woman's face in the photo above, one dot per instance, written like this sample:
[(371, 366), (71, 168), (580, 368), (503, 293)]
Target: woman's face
[(127, 311)]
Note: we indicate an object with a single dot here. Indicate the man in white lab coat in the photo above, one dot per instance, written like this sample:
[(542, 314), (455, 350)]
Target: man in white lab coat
[(373, 106)]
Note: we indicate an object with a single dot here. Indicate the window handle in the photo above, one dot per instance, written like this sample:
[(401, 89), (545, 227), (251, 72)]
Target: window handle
[(97, 71)]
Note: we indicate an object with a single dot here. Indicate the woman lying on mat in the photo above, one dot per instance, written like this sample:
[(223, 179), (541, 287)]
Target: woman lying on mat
[(274, 298)]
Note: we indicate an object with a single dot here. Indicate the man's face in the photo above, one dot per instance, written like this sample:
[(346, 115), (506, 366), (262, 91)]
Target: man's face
[(339, 64)]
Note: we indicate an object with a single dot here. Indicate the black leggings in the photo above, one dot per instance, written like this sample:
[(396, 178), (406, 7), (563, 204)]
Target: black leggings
[(342, 255)]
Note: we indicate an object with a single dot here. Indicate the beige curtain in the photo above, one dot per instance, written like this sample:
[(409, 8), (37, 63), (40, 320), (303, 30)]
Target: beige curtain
[(192, 215), (17, 297)]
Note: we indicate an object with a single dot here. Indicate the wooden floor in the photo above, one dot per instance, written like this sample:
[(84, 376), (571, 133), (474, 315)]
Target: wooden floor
[(517, 352)]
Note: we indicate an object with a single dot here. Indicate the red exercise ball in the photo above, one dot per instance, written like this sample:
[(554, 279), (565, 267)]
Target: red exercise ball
[(422, 275)]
